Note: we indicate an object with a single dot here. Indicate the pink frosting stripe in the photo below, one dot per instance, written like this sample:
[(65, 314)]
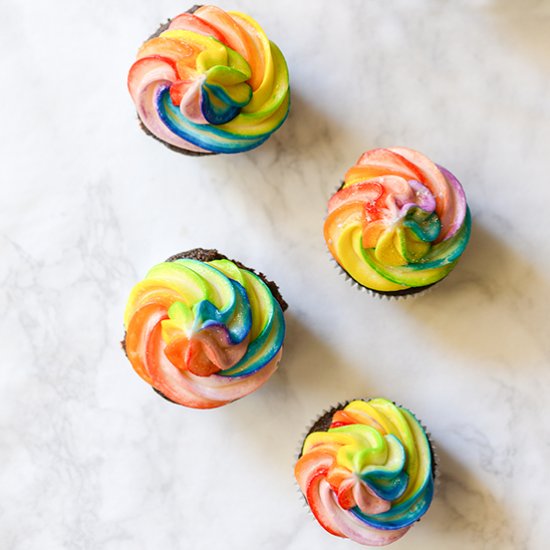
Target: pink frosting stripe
[(448, 203), (147, 78), (200, 391), (460, 202), (170, 381), (350, 526), (189, 22)]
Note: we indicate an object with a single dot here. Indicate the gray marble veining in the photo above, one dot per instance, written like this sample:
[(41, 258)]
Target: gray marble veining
[(90, 457)]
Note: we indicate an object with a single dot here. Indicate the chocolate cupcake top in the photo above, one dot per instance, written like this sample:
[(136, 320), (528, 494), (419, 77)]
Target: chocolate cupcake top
[(398, 222), (210, 82), (366, 470), (204, 333)]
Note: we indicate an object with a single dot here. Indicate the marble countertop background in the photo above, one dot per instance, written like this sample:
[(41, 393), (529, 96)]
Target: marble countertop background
[(90, 457)]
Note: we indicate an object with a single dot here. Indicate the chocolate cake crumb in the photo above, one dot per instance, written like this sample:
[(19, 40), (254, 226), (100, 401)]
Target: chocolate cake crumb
[(322, 424)]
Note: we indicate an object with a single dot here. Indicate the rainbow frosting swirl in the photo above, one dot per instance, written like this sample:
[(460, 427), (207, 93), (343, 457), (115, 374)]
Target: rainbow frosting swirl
[(211, 82), (398, 222), (370, 476), (203, 334)]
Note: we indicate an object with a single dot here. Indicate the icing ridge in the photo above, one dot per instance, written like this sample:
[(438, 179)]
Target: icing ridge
[(203, 334), (398, 222), (210, 82), (370, 475)]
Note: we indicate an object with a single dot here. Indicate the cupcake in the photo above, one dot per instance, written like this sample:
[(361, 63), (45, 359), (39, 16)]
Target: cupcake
[(210, 81), (203, 330), (367, 472), (399, 223)]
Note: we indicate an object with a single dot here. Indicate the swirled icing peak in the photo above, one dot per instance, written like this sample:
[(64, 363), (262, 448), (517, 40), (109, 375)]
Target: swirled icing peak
[(203, 334), (211, 82), (369, 476), (398, 222)]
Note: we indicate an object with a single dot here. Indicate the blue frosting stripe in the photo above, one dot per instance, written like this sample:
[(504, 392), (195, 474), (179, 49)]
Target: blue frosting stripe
[(236, 318), (203, 135), (389, 488), (441, 255), (274, 330), (457, 243), (278, 326), (220, 93), (425, 225), (403, 514), (214, 114)]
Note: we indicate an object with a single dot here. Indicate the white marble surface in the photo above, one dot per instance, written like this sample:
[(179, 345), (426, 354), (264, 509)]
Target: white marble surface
[(90, 457)]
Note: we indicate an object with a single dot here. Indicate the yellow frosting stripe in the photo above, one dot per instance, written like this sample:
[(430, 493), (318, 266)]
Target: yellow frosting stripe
[(422, 456), (348, 249), (203, 42), (229, 269), (262, 84), (261, 116), (257, 295), (261, 315), (186, 281), (156, 291), (401, 429), (362, 410), (366, 448)]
